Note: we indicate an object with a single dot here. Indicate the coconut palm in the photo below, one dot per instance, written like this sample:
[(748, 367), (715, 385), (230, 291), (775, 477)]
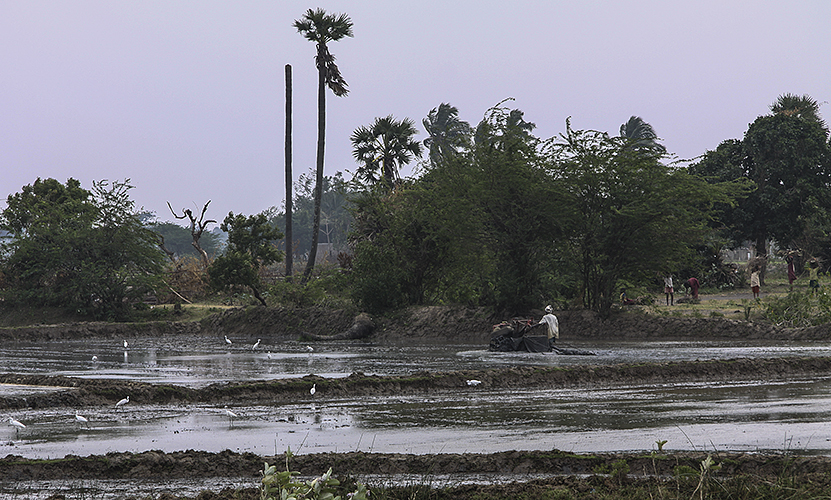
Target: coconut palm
[(383, 148), (641, 135), (321, 28), (447, 133), (805, 107)]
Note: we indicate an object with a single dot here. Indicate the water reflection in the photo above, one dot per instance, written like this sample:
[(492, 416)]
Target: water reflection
[(740, 416), (196, 361)]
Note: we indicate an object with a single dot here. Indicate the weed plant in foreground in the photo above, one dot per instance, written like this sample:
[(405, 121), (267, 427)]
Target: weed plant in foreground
[(612, 481)]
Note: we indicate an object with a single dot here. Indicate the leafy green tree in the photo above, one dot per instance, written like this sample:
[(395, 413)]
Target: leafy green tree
[(447, 134), (415, 245), (321, 28), (629, 216), (519, 207), (87, 251), (726, 166), (787, 159), (383, 148), (251, 246)]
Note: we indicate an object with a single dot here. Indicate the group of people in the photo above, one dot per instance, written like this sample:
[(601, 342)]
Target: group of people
[(755, 281), (669, 290)]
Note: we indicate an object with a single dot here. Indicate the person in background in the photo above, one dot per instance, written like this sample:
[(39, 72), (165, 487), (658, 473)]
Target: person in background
[(668, 290), (624, 300), (791, 272), (553, 325), (755, 282), (693, 284), (813, 276)]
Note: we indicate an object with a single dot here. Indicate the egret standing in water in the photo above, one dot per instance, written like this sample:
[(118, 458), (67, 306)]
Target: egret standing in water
[(256, 345), (125, 344), (231, 416), (81, 420), (227, 340), (313, 390), (17, 425), (122, 402)]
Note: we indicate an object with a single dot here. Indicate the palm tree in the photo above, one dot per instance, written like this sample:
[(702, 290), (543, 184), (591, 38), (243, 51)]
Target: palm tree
[(321, 28), (805, 107), (641, 136), (447, 133), (383, 148)]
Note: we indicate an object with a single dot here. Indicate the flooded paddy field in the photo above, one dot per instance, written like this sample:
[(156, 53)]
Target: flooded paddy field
[(194, 361), (745, 415)]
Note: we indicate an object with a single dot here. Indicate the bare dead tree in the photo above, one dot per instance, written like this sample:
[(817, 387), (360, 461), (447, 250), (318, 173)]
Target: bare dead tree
[(196, 228)]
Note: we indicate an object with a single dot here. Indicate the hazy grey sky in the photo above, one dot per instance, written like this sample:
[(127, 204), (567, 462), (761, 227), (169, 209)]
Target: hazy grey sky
[(187, 98)]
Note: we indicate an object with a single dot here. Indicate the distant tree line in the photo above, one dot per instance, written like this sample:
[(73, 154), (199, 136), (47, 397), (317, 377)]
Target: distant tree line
[(495, 217)]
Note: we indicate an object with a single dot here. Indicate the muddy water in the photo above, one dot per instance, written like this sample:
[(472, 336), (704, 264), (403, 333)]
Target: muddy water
[(701, 416)]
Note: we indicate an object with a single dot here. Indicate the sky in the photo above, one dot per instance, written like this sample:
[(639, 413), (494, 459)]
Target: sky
[(187, 98)]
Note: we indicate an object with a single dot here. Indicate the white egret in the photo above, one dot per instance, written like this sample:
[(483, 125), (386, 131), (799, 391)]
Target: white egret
[(231, 416), (310, 348), (81, 420), (256, 345), (473, 381), (17, 424), (123, 402), (94, 359), (125, 344), (227, 340), (313, 390)]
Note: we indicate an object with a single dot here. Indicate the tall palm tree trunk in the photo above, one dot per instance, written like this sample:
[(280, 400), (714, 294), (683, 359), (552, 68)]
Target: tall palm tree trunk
[(318, 194), (289, 192)]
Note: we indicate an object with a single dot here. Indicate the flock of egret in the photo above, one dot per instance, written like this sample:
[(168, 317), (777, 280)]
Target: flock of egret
[(18, 425)]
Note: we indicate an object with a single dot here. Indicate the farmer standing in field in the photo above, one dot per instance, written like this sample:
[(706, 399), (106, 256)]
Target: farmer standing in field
[(553, 325)]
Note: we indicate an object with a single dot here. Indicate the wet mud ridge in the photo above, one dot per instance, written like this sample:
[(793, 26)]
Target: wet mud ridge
[(551, 468), (78, 392)]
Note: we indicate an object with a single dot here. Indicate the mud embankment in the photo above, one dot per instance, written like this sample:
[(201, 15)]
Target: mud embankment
[(562, 471), (198, 464), (416, 324)]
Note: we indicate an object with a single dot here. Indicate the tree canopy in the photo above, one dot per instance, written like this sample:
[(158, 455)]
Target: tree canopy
[(516, 222), (785, 157), (382, 148), (251, 246), (87, 251)]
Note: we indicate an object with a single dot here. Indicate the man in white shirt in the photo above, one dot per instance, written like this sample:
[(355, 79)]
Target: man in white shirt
[(553, 324)]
